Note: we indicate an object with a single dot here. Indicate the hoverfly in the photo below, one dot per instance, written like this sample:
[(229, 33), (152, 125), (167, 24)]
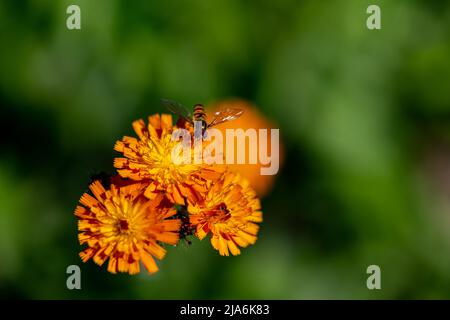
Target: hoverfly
[(198, 114)]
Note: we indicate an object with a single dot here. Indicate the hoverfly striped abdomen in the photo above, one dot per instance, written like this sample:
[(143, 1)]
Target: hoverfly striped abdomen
[(200, 115), (199, 112)]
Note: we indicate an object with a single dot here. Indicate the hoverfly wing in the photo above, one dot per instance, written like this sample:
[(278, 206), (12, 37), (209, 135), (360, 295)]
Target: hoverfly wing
[(178, 109), (224, 115)]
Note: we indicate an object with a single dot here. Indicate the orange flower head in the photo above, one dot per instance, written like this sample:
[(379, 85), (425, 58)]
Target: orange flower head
[(149, 159), (123, 225), (230, 212)]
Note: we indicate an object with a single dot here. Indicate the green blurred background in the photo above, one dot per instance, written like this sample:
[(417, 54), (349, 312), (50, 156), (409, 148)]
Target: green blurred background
[(364, 116)]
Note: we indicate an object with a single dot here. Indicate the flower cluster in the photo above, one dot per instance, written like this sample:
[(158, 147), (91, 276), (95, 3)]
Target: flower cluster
[(154, 200)]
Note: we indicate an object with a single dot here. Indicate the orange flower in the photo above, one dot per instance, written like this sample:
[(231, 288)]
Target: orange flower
[(123, 225), (149, 158), (229, 212), (251, 118)]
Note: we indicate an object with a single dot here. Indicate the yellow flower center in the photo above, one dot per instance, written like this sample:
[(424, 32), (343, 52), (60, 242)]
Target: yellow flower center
[(158, 156)]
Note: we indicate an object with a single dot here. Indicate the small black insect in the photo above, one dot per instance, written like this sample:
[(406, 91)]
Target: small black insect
[(186, 229)]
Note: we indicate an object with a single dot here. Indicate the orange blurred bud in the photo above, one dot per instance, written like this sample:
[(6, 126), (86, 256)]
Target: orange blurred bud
[(252, 118)]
